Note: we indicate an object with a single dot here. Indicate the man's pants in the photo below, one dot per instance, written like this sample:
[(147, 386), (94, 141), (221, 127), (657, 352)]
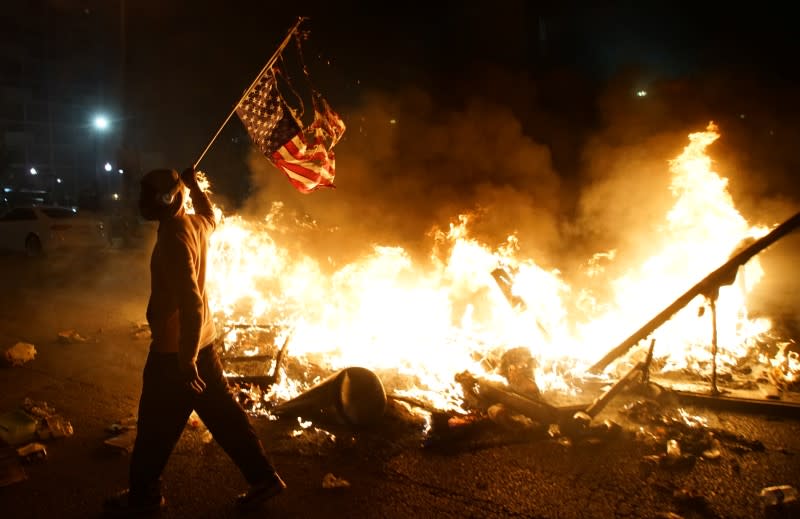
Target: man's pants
[(164, 408)]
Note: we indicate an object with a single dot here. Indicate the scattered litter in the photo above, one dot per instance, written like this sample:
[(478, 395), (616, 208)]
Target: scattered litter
[(313, 440), (20, 353), (11, 469), (141, 330), (126, 424), (17, 427), (32, 452), (54, 426), (714, 452), (123, 441), (778, 495), (673, 449), (331, 481), (70, 336), (37, 409), (49, 424)]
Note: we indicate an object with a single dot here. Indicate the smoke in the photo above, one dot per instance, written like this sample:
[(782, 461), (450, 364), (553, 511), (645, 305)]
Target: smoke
[(406, 167), (410, 164)]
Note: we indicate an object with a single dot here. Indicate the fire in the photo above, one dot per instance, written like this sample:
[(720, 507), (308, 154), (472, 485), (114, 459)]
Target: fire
[(424, 323)]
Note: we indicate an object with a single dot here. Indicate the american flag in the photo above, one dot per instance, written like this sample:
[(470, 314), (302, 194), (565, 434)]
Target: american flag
[(305, 156)]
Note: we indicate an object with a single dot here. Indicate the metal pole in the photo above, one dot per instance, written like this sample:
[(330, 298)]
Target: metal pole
[(266, 67), (713, 303)]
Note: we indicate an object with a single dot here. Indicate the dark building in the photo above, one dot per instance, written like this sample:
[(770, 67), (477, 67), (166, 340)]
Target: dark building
[(59, 70)]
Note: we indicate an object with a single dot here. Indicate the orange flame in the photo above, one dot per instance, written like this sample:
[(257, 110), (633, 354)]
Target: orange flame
[(428, 322)]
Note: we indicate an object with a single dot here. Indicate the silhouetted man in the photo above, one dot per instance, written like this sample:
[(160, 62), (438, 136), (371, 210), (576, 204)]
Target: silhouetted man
[(183, 372)]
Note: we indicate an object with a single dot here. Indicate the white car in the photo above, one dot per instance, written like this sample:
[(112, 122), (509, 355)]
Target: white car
[(39, 229)]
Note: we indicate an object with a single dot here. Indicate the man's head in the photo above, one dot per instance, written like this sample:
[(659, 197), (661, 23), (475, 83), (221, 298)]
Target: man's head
[(161, 194)]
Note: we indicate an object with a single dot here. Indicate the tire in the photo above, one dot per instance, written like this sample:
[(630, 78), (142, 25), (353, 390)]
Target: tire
[(33, 245)]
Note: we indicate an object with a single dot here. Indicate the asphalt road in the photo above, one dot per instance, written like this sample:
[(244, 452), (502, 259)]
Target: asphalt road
[(394, 469)]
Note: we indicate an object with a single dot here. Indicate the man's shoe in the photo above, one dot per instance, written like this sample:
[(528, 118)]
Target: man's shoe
[(259, 493), (122, 504)]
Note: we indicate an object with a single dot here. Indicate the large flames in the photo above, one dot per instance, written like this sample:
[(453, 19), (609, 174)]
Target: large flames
[(424, 323)]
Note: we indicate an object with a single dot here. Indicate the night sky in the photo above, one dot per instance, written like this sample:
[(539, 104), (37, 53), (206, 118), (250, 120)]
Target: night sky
[(205, 53), (525, 111)]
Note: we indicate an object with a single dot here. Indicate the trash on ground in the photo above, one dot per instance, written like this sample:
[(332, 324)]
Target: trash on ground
[(123, 441), (54, 426), (141, 330), (49, 424), (20, 353), (11, 469), (17, 427), (70, 336), (311, 440), (37, 409), (116, 428), (32, 452), (778, 495), (331, 481)]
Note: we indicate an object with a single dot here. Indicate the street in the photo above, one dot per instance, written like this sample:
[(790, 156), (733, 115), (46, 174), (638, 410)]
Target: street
[(393, 469)]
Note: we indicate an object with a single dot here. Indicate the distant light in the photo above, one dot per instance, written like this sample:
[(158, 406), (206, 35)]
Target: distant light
[(115, 196), (101, 122), (120, 171), (741, 116), (392, 121), (107, 167), (34, 172), (7, 189), (58, 180), (641, 93)]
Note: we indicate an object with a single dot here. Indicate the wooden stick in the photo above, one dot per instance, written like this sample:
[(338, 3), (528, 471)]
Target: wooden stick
[(266, 67)]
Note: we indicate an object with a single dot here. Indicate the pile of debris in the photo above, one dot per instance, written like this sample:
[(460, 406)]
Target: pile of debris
[(21, 432)]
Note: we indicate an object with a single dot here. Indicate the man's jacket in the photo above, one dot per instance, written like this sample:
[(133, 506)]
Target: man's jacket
[(177, 312)]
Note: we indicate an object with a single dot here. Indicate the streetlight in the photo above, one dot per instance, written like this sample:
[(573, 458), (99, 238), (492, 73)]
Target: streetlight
[(101, 122), (107, 167), (100, 125), (33, 171)]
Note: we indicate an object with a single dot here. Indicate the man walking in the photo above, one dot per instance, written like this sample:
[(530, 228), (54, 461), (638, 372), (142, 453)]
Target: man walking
[(183, 371)]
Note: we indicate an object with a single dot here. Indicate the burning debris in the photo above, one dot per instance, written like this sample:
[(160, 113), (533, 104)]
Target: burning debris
[(482, 343), (353, 396)]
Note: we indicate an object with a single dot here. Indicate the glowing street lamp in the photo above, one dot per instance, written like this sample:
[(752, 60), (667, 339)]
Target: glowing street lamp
[(33, 171), (107, 167), (101, 122)]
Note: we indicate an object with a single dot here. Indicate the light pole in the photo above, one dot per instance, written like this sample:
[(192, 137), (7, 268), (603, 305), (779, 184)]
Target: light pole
[(100, 125)]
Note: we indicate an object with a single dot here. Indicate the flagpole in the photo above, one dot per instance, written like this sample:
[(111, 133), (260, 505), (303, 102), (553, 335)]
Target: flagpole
[(266, 67)]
